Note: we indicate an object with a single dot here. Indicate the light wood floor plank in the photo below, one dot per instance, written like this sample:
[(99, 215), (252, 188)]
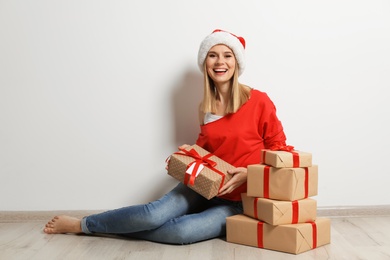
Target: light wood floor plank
[(351, 238)]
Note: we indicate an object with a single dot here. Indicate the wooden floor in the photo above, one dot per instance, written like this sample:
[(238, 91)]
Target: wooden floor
[(366, 237)]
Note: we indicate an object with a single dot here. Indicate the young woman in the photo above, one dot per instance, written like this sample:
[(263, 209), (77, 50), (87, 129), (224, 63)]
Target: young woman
[(236, 122)]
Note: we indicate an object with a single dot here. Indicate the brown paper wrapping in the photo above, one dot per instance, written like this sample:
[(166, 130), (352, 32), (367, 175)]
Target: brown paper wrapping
[(208, 182), (282, 159), (292, 238), (279, 212), (284, 183)]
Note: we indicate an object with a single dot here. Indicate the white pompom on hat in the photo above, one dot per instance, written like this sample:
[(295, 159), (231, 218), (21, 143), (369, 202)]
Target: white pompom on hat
[(235, 43)]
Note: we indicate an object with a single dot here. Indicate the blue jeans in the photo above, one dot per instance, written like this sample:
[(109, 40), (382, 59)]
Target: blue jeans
[(180, 217)]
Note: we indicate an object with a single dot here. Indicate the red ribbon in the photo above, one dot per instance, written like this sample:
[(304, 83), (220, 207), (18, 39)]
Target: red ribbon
[(314, 229), (295, 212), (190, 179), (255, 207), (260, 243), (306, 182), (266, 182), (295, 159), (287, 148)]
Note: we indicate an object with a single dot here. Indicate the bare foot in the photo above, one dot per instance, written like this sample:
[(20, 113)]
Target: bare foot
[(63, 224)]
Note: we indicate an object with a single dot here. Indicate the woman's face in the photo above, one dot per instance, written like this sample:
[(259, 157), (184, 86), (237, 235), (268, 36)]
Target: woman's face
[(220, 64)]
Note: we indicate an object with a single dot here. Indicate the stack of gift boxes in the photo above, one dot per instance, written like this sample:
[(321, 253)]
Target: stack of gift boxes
[(278, 211)]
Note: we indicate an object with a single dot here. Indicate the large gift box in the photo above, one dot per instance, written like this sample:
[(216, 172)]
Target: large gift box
[(279, 212), (291, 238), (282, 183), (281, 159), (200, 170)]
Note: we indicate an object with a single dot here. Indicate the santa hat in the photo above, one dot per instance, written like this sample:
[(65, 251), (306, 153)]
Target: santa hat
[(235, 43)]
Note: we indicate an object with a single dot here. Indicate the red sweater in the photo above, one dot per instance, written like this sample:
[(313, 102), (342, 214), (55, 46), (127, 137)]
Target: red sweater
[(239, 137)]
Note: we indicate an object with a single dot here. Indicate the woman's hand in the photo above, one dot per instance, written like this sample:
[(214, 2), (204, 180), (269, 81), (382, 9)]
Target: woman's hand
[(240, 175)]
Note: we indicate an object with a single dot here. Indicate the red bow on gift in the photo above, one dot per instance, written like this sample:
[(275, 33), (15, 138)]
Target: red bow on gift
[(286, 148), (278, 147), (199, 160)]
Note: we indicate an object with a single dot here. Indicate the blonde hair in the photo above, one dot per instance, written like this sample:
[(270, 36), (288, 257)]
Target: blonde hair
[(239, 94)]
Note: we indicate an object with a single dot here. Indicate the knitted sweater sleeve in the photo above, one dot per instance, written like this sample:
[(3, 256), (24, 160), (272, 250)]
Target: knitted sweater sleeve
[(270, 127)]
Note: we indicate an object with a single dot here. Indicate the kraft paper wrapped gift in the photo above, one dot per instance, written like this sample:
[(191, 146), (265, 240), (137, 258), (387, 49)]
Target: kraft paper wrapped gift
[(282, 183), (205, 180), (291, 238), (281, 159), (280, 212)]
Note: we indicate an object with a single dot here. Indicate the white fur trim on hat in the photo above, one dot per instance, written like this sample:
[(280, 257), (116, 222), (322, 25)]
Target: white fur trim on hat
[(236, 44)]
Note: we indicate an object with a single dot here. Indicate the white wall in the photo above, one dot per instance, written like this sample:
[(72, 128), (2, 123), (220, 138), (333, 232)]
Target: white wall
[(94, 95)]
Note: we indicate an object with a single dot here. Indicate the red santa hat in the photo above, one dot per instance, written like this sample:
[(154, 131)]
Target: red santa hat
[(235, 43)]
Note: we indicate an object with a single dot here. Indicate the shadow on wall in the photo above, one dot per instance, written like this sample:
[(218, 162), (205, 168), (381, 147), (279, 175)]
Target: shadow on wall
[(185, 99), (185, 103)]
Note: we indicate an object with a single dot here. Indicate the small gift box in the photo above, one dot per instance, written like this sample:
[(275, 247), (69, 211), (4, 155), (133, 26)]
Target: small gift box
[(291, 238), (280, 212), (200, 170), (289, 184), (281, 159)]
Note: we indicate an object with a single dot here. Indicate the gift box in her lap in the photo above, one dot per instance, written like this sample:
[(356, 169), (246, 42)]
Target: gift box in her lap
[(290, 238), (200, 170), (279, 212), (288, 184)]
